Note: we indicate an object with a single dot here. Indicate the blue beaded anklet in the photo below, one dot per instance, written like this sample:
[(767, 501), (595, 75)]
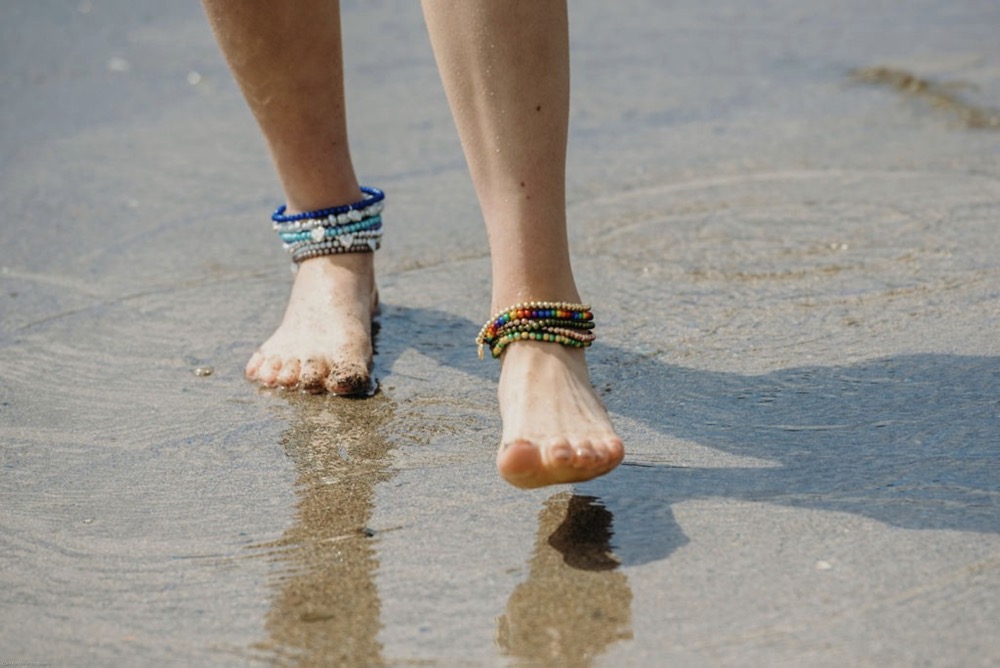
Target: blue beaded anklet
[(349, 228), (374, 195)]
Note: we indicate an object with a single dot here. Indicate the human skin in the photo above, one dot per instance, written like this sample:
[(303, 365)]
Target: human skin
[(505, 69), (297, 96)]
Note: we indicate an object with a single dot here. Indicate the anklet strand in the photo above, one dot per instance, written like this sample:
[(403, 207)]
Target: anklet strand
[(372, 196), (556, 322), (349, 228)]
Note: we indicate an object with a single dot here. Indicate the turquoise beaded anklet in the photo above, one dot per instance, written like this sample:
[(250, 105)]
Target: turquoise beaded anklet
[(556, 322)]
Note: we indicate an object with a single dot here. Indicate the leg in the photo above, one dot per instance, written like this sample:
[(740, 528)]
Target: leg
[(287, 60), (505, 67)]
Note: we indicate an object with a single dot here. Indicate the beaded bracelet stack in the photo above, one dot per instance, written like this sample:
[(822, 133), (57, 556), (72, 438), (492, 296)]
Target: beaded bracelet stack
[(558, 322), (351, 228)]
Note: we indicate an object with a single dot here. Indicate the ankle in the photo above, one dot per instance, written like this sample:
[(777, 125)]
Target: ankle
[(320, 194), (565, 323), (304, 201), (357, 264), (346, 228)]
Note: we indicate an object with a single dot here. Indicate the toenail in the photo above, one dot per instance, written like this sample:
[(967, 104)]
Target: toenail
[(562, 454)]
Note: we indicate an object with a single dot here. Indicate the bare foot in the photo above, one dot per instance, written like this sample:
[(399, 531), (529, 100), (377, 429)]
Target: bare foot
[(555, 428), (324, 342)]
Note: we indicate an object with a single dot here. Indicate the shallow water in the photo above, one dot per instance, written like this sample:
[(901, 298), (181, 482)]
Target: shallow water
[(796, 280)]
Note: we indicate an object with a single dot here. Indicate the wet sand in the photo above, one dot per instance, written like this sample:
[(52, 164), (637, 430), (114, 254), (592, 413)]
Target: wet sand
[(798, 279)]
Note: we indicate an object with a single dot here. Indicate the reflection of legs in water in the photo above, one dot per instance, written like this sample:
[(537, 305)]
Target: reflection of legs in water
[(573, 605), (326, 610), (505, 67), (286, 57)]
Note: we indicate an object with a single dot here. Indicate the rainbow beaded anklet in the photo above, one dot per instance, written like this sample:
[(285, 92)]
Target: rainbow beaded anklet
[(350, 228), (556, 322)]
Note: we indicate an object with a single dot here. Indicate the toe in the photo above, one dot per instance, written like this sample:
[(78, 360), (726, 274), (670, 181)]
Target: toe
[(519, 463), (559, 453), (313, 376), (614, 451), (585, 456), (288, 377), (520, 458), (253, 366), (600, 455), (267, 375), (348, 380)]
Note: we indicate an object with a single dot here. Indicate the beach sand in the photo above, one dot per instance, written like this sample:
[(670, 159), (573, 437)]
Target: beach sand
[(796, 271)]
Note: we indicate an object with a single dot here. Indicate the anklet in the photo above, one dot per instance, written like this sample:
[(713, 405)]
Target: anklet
[(556, 322), (372, 196), (317, 235), (349, 228)]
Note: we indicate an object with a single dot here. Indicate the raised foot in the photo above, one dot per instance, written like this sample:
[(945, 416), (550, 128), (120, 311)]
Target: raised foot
[(556, 429), (324, 342)]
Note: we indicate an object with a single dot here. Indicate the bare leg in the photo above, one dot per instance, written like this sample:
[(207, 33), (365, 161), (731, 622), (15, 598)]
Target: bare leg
[(505, 67), (286, 57)]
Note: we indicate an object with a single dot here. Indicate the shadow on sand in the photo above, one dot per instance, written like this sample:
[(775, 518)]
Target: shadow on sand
[(912, 441)]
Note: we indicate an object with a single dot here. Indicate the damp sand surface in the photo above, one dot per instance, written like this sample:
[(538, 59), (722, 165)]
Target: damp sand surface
[(796, 278)]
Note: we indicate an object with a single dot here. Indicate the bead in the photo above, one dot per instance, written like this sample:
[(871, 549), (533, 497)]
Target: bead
[(372, 196), (349, 228), (564, 323)]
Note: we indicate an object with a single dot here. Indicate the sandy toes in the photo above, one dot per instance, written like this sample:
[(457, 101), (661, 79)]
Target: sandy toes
[(324, 341)]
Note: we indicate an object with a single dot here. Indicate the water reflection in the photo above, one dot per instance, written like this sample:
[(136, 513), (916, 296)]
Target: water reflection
[(326, 606), (575, 603)]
